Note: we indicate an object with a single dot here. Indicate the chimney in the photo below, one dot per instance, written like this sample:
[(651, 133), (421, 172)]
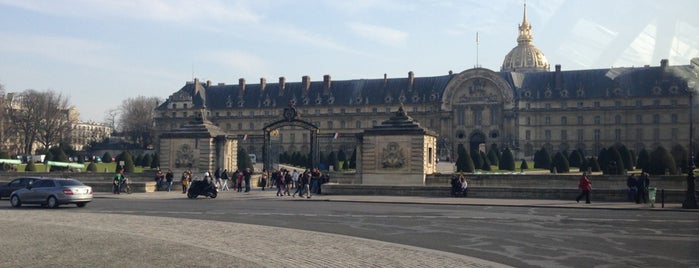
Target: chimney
[(326, 83), (208, 83), (282, 83), (451, 72), (559, 78), (411, 80), (263, 84), (306, 82), (196, 81), (664, 63), (385, 79), (241, 86)]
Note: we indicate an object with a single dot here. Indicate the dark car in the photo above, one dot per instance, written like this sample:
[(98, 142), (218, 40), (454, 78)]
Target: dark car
[(16, 184), (52, 192)]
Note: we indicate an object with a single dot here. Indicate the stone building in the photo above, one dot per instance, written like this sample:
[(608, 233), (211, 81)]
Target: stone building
[(524, 106)]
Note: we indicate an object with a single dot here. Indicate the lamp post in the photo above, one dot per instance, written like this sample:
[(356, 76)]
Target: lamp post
[(690, 201)]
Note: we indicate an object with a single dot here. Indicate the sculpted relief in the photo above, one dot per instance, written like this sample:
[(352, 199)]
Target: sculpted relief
[(184, 157), (393, 156), (476, 90)]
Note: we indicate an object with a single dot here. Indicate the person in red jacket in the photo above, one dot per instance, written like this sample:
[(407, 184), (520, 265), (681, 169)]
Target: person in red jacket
[(585, 185)]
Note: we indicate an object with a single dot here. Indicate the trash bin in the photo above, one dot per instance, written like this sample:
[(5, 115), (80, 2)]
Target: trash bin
[(651, 196)]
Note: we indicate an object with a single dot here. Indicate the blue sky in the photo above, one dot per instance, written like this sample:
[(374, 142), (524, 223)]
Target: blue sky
[(99, 52)]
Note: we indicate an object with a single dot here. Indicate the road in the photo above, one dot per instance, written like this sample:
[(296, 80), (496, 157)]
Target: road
[(514, 236)]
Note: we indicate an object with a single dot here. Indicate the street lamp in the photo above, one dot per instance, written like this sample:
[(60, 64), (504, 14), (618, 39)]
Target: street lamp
[(690, 201)]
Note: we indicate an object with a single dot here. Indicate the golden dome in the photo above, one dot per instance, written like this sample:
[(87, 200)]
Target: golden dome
[(525, 57)]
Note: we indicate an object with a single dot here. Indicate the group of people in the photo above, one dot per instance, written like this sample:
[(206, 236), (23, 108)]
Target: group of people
[(638, 188), (163, 182), (306, 183), (459, 185)]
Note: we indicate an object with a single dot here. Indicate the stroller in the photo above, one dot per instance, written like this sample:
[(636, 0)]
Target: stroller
[(203, 187)]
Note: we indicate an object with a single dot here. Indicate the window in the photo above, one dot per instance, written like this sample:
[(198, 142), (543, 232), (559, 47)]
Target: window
[(414, 109), (529, 106), (617, 104), (581, 135), (374, 110), (598, 135), (656, 134), (674, 133), (617, 119), (342, 124), (564, 105), (317, 111), (252, 125), (547, 135), (342, 111), (358, 110), (564, 120), (240, 126), (184, 114), (174, 106), (174, 114), (639, 119), (228, 126), (330, 111), (656, 119), (656, 103), (547, 120), (617, 135), (528, 135), (460, 120), (639, 134), (639, 103), (529, 121), (598, 120), (185, 105), (477, 117), (597, 104), (388, 110), (673, 117), (673, 103), (292, 137), (358, 124), (564, 135), (548, 106), (580, 119), (373, 123), (330, 124), (581, 104)]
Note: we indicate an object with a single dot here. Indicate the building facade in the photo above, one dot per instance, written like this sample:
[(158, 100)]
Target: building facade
[(524, 106)]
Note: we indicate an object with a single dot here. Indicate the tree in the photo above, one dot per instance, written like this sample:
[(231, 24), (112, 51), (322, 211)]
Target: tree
[(616, 163), (507, 160), (493, 156), (477, 159), (139, 160), (332, 158), (542, 159), (147, 160), (643, 162), (136, 120), (155, 163), (128, 162), (342, 157), (464, 162), (523, 165), (627, 157), (106, 157), (244, 160), (59, 156), (92, 167), (680, 155), (560, 163), (661, 160), (575, 159), (30, 166), (39, 117), (486, 161)]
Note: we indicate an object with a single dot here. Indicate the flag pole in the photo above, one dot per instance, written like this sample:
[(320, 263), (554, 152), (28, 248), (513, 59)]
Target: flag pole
[(478, 41)]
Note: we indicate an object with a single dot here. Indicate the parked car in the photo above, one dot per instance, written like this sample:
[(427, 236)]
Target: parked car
[(16, 184), (52, 192)]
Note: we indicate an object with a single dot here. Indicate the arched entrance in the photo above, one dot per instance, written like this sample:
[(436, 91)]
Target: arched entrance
[(291, 118), (475, 140)]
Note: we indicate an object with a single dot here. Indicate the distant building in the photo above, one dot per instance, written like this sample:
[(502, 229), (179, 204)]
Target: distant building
[(84, 133), (524, 106)]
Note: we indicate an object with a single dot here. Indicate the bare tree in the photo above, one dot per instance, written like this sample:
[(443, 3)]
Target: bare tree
[(137, 119), (111, 118), (41, 117)]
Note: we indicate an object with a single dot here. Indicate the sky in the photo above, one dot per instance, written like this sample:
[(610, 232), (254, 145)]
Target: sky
[(98, 53)]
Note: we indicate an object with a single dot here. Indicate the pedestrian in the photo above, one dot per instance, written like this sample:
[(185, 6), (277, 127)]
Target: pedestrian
[(585, 186), (642, 184), (224, 180), (239, 181), (306, 181), (631, 187), (185, 180), (246, 176), (118, 178), (263, 179), (217, 175), (287, 182), (279, 182), (168, 179), (463, 184), (159, 176), (315, 180)]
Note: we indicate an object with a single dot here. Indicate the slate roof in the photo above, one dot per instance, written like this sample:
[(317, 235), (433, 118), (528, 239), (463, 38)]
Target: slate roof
[(576, 84)]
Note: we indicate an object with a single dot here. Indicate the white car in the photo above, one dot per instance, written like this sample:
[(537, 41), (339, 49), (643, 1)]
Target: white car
[(52, 192)]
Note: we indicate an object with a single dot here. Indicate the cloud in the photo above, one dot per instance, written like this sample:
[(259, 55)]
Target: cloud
[(157, 10), (380, 34), (241, 62)]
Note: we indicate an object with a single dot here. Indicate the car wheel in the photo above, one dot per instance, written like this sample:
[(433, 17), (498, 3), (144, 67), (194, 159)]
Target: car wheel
[(14, 200), (52, 202), (80, 205), (213, 195)]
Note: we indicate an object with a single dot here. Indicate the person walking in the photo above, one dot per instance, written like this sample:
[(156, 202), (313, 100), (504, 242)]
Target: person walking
[(631, 187), (217, 176), (263, 179), (185, 180), (305, 182), (239, 181), (642, 184), (585, 186), (279, 182), (224, 180), (246, 177), (168, 179)]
